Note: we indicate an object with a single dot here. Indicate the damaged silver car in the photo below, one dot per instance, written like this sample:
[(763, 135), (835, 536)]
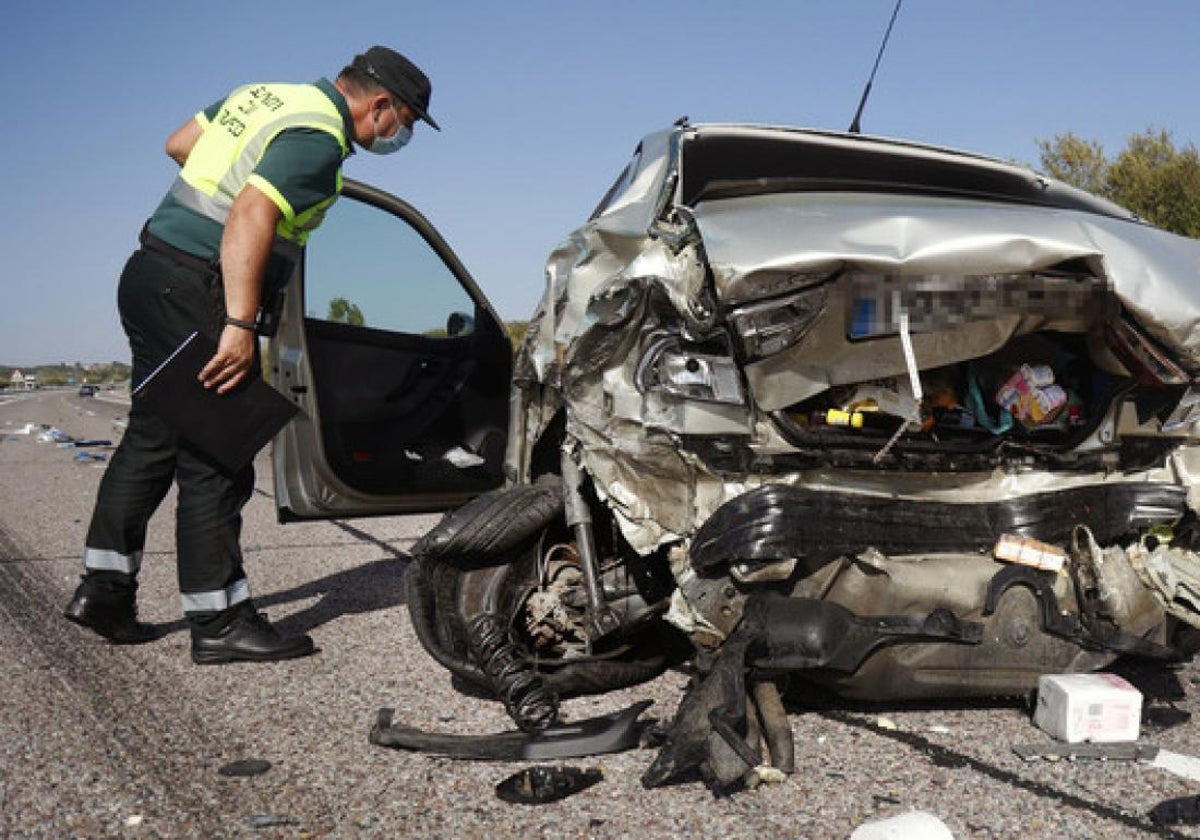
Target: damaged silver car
[(899, 421)]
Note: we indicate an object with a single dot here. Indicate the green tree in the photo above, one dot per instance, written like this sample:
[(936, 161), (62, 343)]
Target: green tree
[(1158, 182), (343, 311), (1074, 160), (516, 332), (1151, 177)]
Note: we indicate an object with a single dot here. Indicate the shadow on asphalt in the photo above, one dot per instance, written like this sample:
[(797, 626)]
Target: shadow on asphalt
[(377, 585)]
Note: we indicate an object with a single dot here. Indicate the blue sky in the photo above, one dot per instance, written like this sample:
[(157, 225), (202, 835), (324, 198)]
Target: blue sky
[(541, 103)]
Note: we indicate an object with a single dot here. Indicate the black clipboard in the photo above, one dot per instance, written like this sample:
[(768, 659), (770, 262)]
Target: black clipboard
[(230, 428)]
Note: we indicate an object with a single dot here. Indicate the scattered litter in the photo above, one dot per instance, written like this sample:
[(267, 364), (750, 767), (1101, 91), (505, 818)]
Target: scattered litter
[(462, 459), (1184, 810), (53, 435), (940, 730), (1123, 751), (615, 732), (885, 723), (89, 457), (133, 820), (545, 783), (915, 825), (267, 820), (100, 442), (764, 774), (1101, 708), (28, 429), (1184, 766), (245, 767), (413, 456)]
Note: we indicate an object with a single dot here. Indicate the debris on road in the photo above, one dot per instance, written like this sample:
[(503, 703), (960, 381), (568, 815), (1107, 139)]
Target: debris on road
[(915, 825), (1123, 751), (1101, 708), (245, 767), (616, 732), (1184, 766), (542, 784), (54, 435), (765, 774)]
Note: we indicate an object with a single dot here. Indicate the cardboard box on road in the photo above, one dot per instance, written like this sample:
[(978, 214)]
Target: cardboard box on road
[(1101, 708)]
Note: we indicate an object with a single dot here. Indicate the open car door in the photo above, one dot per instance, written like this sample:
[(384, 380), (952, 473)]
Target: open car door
[(399, 365)]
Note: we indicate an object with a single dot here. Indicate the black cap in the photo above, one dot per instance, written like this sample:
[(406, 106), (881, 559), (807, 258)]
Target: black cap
[(400, 76)]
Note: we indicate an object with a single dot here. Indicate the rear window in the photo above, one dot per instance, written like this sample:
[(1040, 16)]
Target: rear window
[(726, 166), (620, 185)]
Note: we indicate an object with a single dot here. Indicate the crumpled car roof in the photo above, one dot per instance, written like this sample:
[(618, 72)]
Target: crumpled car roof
[(882, 206)]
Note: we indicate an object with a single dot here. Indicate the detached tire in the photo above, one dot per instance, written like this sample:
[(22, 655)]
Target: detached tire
[(482, 558), (461, 565)]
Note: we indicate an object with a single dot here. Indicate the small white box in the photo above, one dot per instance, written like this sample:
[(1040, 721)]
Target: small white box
[(1102, 708)]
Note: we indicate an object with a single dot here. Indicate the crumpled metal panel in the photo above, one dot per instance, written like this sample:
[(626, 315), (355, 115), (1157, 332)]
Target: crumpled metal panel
[(751, 240), (598, 254), (624, 274)]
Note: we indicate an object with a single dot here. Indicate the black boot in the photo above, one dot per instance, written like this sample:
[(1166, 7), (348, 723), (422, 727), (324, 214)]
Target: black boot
[(109, 609), (245, 636)]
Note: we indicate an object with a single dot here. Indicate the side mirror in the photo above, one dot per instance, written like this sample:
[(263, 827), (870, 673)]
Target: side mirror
[(459, 323)]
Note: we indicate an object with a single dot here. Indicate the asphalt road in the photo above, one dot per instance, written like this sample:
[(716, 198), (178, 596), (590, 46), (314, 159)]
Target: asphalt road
[(104, 741)]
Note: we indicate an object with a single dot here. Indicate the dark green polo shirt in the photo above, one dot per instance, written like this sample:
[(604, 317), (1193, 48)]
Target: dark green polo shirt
[(301, 163)]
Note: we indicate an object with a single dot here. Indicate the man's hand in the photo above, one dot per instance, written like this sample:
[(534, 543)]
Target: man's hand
[(245, 248), (235, 355)]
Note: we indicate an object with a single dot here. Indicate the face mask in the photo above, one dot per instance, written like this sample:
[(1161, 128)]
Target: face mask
[(387, 145)]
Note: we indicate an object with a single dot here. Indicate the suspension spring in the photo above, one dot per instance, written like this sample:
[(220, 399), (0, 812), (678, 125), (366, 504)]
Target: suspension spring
[(514, 680)]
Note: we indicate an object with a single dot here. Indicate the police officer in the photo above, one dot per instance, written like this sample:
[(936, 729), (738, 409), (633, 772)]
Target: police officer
[(258, 171)]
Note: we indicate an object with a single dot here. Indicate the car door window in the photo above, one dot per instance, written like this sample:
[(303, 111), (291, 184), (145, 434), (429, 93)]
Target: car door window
[(368, 268)]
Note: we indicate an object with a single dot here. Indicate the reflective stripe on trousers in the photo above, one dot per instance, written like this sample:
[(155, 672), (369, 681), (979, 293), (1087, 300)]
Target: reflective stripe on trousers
[(222, 599), (103, 560), (161, 302)]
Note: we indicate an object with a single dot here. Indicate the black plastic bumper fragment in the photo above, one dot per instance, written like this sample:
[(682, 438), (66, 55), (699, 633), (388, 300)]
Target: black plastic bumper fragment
[(780, 521), (542, 784), (595, 736), (793, 634), (779, 634)]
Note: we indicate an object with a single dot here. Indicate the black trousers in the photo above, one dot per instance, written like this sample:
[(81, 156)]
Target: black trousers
[(161, 302)]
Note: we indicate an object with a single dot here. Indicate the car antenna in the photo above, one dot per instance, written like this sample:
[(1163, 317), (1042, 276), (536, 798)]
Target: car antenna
[(862, 103)]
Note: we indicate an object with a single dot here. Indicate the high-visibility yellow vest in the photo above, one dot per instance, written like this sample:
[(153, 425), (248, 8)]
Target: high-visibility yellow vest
[(223, 159)]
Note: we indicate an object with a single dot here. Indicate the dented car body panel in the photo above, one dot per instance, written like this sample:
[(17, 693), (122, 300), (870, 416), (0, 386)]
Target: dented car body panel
[(897, 420), (756, 283)]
